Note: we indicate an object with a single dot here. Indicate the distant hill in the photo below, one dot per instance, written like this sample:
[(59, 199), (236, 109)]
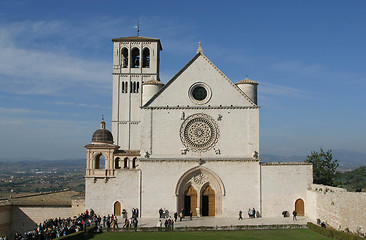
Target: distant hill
[(32, 163), (354, 180), (348, 160)]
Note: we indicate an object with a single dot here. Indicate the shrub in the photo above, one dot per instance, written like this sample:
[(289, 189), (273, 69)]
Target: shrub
[(332, 233)]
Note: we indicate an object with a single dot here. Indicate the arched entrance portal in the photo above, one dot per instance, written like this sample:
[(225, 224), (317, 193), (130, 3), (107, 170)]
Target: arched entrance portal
[(190, 201), (200, 190), (208, 202), (299, 207), (117, 209)]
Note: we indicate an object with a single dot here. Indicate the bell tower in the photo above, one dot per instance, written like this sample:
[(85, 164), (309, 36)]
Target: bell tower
[(135, 61)]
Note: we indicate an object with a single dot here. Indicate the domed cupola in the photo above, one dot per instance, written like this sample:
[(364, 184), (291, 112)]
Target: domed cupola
[(249, 87), (102, 135)]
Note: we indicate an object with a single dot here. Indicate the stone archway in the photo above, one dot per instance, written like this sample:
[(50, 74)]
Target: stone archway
[(299, 207), (207, 184)]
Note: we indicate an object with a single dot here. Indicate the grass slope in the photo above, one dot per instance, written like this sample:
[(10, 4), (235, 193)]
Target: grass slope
[(293, 234)]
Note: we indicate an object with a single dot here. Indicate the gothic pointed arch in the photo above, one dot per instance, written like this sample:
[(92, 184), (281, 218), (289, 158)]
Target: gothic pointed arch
[(200, 178), (195, 172)]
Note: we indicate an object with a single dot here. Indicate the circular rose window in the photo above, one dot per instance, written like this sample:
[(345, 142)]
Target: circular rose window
[(199, 93), (199, 132)]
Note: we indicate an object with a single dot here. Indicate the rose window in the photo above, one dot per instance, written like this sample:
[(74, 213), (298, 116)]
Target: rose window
[(199, 132)]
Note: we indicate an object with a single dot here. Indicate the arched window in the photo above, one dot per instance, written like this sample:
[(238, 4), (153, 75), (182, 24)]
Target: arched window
[(134, 162), (146, 58), (135, 58), (99, 161), (116, 163), (124, 58), (125, 163), (126, 87)]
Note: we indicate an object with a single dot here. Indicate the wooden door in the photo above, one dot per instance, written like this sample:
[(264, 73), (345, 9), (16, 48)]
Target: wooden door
[(117, 209), (191, 193), (209, 193), (299, 207)]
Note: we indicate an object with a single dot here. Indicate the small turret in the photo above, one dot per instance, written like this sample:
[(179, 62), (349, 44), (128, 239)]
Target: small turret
[(150, 88), (102, 135), (249, 87)]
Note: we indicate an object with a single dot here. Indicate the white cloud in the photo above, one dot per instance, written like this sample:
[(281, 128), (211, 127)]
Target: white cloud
[(31, 70), (285, 91)]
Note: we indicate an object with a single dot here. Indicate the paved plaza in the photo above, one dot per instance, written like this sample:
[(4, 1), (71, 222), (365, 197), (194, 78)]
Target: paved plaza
[(221, 221)]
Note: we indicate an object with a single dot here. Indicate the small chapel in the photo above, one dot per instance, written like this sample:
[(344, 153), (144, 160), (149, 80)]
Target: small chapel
[(189, 145)]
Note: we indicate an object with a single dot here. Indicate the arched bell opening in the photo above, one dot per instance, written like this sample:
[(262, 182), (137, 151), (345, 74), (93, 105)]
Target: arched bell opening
[(99, 161), (117, 163), (146, 58), (124, 57), (135, 61)]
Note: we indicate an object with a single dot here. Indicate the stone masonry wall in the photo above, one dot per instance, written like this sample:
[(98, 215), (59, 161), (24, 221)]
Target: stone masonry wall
[(27, 218), (339, 208), (5, 220)]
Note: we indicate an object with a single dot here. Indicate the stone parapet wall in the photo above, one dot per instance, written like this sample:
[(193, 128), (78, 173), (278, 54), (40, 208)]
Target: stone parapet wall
[(338, 208), (5, 220), (27, 218)]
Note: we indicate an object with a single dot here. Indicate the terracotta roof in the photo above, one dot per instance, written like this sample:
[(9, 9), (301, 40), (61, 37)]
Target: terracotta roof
[(137, 38), (53, 199), (245, 81), (153, 82), (127, 153)]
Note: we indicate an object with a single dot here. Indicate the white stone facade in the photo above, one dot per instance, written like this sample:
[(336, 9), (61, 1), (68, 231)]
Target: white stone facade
[(192, 144)]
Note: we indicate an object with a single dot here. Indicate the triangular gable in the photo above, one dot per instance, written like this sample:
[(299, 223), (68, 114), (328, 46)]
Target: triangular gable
[(186, 68)]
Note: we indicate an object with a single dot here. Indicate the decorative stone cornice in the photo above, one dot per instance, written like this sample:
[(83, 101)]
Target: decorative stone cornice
[(284, 163), (201, 107), (104, 146), (200, 160)]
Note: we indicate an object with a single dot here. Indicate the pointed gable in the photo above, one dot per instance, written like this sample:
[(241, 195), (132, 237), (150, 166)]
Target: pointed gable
[(198, 84)]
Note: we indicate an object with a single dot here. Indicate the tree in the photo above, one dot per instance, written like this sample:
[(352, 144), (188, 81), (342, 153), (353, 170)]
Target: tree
[(324, 167)]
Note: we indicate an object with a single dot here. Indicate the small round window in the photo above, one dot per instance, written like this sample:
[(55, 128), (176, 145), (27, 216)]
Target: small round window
[(200, 93)]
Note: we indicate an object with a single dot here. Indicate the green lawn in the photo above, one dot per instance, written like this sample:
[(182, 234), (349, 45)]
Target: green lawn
[(293, 234)]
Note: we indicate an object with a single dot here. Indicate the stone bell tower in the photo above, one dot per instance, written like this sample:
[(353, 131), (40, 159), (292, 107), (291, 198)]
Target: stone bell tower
[(135, 61)]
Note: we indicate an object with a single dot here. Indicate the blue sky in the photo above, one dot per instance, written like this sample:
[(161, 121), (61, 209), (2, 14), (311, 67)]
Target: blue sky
[(309, 58)]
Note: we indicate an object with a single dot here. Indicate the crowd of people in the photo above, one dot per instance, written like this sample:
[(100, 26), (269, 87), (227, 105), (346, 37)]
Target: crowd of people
[(58, 227)]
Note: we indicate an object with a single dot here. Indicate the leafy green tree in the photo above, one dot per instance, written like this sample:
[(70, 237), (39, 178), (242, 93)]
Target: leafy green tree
[(324, 167)]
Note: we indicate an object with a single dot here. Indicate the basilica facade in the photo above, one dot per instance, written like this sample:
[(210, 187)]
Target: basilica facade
[(189, 145)]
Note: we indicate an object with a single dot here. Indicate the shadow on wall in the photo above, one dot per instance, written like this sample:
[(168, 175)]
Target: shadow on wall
[(21, 222)]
